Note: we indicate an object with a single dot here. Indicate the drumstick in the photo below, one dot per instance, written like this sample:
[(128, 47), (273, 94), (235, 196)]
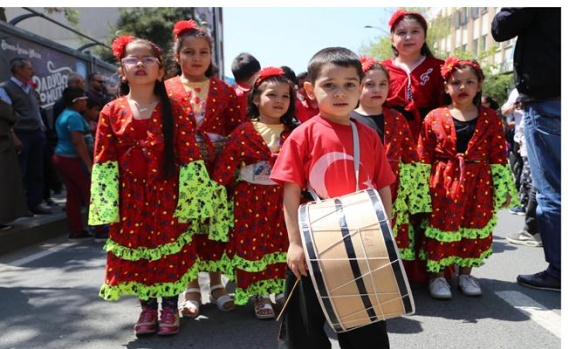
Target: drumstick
[(288, 300)]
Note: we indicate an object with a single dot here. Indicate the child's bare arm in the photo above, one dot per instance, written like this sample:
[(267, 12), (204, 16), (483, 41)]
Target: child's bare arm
[(386, 198), (296, 259)]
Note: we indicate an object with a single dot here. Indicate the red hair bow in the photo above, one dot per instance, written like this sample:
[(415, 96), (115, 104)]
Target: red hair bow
[(401, 13), (367, 63), (266, 73), (119, 44), (183, 26)]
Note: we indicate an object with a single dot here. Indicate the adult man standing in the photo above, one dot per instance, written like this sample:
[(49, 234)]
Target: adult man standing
[(29, 130), (537, 78), (73, 80), (96, 88)]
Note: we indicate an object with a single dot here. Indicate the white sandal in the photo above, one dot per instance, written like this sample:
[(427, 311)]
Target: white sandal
[(221, 301), (263, 308), (280, 299), (190, 307)]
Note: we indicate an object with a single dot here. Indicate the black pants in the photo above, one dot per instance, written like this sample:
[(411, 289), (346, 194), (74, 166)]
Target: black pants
[(303, 323)]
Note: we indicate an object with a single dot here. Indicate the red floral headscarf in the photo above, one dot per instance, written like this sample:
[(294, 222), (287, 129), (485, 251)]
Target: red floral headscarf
[(367, 63), (452, 63), (266, 73), (184, 26), (119, 44), (397, 16)]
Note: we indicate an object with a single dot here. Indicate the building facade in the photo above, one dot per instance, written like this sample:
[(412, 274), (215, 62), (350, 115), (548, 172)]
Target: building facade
[(470, 30)]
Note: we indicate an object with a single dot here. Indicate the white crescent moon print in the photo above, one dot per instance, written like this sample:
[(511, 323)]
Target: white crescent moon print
[(317, 173)]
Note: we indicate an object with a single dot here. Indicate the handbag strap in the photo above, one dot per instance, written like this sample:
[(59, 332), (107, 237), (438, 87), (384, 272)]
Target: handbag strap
[(356, 157)]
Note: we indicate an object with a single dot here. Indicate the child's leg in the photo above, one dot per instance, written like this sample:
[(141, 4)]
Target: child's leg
[(169, 317), (373, 336), (303, 323)]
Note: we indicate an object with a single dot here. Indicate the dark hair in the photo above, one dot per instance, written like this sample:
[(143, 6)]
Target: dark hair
[(94, 102), (493, 104), (289, 118), (290, 74), (198, 34), (244, 66), (480, 77), (302, 75), (335, 55), (169, 165), (17, 62), (424, 50), (70, 93)]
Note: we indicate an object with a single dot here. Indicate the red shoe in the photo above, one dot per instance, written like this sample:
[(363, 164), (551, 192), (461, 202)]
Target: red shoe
[(169, 322), (147, 322)]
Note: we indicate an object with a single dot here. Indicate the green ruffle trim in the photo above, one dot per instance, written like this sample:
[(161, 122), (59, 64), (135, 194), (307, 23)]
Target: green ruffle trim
[(503, 184), (419, 199), (103, 208), (462, 233), (261, 264), (145, 292), (203, 202), (261, 288), (223, 266), (152, 254), (437, 266)]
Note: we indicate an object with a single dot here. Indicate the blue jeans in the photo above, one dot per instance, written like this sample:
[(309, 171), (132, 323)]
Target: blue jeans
[(542, 134)]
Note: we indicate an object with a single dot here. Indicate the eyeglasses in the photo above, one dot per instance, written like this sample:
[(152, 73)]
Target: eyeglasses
[(79, 98), (145, 60)]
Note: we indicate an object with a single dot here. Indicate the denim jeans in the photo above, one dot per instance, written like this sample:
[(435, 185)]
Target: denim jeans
[(542, 134)]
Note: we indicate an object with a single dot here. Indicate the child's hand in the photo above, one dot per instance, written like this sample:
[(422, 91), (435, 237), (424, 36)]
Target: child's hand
[(296, 260), (507, 201)]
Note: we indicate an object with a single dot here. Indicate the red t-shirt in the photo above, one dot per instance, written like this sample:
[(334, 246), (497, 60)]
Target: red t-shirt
[(304, 111), (242, 99), (320, 152)]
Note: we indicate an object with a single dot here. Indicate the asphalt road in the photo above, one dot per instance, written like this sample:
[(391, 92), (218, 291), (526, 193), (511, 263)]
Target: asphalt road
[(48, 299)]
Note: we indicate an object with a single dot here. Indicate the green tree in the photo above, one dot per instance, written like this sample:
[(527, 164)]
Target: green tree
[(154, 24)]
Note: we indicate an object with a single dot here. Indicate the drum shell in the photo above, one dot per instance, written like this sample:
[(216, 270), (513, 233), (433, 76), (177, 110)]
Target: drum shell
[(353, 260)]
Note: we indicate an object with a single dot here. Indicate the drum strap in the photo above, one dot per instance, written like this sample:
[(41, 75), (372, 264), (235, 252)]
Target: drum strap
[(356, 157)]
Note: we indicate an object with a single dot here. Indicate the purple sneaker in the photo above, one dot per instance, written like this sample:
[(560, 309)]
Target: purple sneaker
[(147, 322), (169, 322)]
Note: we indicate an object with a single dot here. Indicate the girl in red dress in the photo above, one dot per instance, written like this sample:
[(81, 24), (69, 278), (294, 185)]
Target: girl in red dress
[(416, 86), (259, 240), (214, 111), (145, 152), (464, 144), (409, 192)]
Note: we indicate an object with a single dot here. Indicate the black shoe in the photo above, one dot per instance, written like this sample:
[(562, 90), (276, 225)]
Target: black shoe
[(41, 209), (82, 235), (50, 202), (4, 227), (541, 281)]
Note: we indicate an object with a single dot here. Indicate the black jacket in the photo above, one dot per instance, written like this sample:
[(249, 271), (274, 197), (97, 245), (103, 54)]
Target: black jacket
[(537, 51)]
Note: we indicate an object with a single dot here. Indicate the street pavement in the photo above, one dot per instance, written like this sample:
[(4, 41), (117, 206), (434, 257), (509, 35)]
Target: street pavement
[(48, 299)]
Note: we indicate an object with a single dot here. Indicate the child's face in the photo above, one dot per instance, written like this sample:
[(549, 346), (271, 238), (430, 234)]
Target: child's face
[(194, 56), (336, 90), (375, 89), (408, 37), (462, 86), (140, 66), (273, 101)]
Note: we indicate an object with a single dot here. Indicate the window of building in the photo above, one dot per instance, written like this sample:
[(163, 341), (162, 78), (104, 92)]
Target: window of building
[(483, 43), (483, 10), (464, 16), (457, 19), (474, 12), (475, 49)]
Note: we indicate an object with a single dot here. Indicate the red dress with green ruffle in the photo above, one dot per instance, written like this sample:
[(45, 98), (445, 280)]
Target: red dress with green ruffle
[(259, 240), (222, 115), (467, 189), (150, 249)]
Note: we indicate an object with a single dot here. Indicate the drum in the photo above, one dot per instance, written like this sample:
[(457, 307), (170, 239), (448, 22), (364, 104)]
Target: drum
[(353, 260)]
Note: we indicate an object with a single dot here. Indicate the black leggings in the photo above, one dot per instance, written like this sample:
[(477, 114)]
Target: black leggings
[(303, 323)]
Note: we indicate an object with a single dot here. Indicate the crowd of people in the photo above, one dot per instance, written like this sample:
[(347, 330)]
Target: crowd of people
[(189, 174)]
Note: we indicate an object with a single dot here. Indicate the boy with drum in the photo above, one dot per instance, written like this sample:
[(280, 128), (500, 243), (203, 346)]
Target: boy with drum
[(319, 155)]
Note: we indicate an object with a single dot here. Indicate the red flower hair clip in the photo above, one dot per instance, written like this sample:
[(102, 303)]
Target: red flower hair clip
[(452, 62), (183, 26), (367, 63), (119, 44), (266, 73), (401, 13)]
